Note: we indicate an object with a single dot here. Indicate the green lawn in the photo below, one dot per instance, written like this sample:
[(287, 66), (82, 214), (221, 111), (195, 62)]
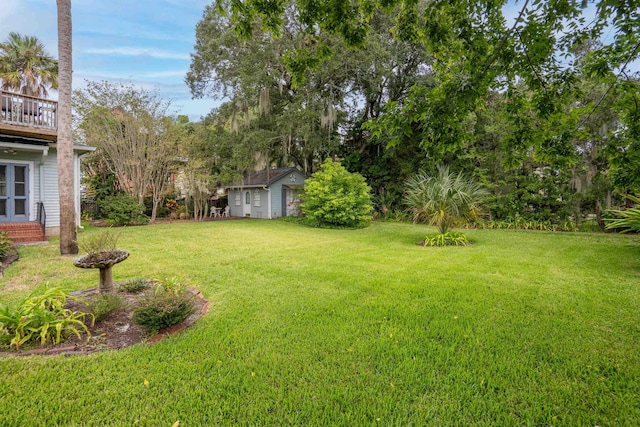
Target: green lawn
[(338, 327)]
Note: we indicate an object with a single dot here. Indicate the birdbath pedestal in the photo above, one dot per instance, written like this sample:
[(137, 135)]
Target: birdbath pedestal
[(104, 261)]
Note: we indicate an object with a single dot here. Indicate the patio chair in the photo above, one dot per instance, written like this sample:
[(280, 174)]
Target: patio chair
[(215, 212), (226, 211)]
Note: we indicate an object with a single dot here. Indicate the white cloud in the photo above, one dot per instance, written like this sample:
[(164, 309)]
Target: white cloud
[(130, 76), (168, 73), (136, 51)]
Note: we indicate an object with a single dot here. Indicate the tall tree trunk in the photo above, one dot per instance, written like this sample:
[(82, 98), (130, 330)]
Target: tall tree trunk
[(154, 209), (68, 232), (599, 218)]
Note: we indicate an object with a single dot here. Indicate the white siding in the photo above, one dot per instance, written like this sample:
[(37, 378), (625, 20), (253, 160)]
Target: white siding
[(50, 194), (76, 186), (43, 181)]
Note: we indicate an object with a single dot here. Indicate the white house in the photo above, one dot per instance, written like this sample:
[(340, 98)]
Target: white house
[(28, 167)]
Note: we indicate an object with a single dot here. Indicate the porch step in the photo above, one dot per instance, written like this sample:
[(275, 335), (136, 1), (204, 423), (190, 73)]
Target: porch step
[(23, 232)]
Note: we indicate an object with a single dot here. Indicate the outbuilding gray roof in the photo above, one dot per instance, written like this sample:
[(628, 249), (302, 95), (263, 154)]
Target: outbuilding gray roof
[(263, 178)]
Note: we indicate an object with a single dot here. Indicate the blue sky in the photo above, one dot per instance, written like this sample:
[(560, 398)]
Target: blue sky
[(144, 42)]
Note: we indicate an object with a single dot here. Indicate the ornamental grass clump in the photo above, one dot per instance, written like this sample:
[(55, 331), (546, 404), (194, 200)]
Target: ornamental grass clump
[(450, 238), (134, 286), (102, 241)]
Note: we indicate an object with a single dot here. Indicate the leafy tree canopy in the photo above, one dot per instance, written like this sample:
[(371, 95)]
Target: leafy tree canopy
[(474, 44), (137, 139)]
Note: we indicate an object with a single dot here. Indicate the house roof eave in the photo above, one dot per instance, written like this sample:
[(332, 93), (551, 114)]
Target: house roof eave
[(242, 187), (259, 178), (77, 148), (31, 148)]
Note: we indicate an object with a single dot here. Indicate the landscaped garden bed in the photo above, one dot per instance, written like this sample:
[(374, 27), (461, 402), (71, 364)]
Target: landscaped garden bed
[(111, 322), (116, 330)]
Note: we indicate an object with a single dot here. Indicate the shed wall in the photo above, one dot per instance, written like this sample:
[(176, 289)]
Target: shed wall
[(276, 191), (261, 211), (235, 204), (270, 200)]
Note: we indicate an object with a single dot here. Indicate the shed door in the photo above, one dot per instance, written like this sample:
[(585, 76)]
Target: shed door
[(290, 201), (14, 195), (246, 206)]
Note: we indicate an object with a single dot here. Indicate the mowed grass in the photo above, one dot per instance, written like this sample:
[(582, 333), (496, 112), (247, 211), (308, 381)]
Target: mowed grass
[(343, 327)]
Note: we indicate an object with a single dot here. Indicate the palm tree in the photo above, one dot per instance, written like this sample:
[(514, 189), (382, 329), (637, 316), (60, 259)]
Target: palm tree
[(443, 199), (26, 67), (68, 232)]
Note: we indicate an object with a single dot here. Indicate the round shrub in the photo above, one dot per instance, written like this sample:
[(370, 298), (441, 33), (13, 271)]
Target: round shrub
[(122, 209), (334, 197), (163, 309)]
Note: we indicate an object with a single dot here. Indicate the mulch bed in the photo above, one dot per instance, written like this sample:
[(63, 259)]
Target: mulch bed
[(114, 332)]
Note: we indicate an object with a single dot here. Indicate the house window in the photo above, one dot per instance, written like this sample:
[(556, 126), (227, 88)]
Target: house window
[(256, 198), (247, 198), (237, 198)]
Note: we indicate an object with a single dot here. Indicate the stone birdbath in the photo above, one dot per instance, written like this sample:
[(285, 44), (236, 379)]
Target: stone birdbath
[(104, 261)]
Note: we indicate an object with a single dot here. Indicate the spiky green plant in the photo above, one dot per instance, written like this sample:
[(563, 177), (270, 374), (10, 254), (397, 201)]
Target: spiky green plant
[(134, 286), (627, 220), (443, 199), (450, 238), (42, 317)]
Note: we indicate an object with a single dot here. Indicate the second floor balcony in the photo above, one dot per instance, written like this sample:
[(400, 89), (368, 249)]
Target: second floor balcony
[(29, 116)]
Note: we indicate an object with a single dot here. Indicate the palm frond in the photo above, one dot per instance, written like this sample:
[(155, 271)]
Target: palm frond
[(444, 198), (628, 219)]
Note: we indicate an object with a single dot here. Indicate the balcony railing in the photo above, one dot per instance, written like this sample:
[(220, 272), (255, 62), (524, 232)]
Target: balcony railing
[(28, 111)]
